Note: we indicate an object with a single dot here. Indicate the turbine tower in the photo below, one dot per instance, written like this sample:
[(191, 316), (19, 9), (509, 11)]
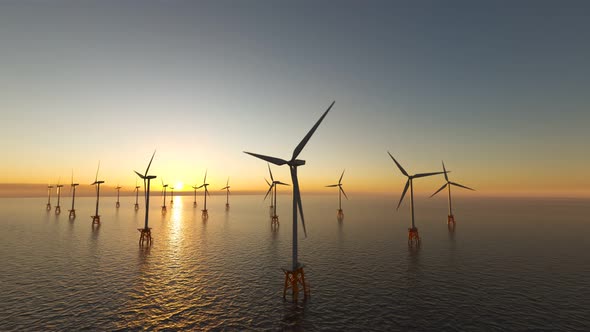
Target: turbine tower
[(164, 186), (48, 206), (413, 236), (274, 223), (339, 214), (295, 277), (146, 232), (451, 217), (136, 207), (97, 183), (58, 207), (205, 214), (73, 188), (117, 205), (226, 188)]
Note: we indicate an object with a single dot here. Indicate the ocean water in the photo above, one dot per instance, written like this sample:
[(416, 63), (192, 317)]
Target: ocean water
[(510, 264)]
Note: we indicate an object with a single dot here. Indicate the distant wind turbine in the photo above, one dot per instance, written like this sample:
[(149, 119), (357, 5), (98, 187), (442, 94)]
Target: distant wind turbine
[(273, 198), (451, 217), (73, 188), (136, 207), (48, 206), (146, 232), (413, 236), (195, 187), (295, 277), (164, 187), (58, 207), (340, 214), (97, 183), (171, 196), (226, 188), (117, 205), (205, 214)]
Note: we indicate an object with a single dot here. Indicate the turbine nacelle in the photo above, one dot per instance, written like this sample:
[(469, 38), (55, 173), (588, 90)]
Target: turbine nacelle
[(296, 162)]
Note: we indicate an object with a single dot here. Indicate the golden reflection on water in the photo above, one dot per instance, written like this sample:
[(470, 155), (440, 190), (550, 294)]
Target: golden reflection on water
[(176, 223)]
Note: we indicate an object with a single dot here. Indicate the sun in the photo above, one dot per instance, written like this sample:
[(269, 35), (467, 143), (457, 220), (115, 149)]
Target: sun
[(178, 186)]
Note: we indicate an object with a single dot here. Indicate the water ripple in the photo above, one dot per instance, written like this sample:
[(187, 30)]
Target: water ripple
[(224, 273)]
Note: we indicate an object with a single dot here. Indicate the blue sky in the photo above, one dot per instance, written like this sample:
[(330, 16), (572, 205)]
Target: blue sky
[(496, 89)]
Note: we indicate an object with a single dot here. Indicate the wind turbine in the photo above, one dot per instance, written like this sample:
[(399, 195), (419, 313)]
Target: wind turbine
[(117, 205), (340, 214), (73, 188), (295, 277), (413, 236), (226, 188), (164, 186), (58, 207), (195, 201), (273, 198), (451, 217), (48, 206), (97, 183), (136, 195), (205, 214), (146, 232), (171, 196)]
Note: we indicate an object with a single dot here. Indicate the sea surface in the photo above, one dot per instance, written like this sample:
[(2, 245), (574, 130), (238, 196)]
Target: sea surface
[(510, 264)]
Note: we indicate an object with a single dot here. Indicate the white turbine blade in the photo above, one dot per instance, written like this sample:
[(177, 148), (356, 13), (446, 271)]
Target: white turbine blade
[(282, 183), (332, 185), (421, 175), (403, 194), (267, 182), (227, 183), (270, 172), (340, 181), (97, 169), (441, 188), (205, 179), (150, 163), (445, 170), (276, 161), (460, 185), (303, 142), (398, 165), (342, 190)]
